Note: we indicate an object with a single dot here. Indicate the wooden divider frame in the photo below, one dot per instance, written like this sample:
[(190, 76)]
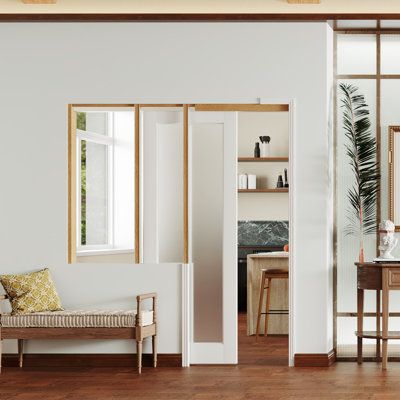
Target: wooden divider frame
[(251, 107)]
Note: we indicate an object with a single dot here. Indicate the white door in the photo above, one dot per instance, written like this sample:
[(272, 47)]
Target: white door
[(213, 236)]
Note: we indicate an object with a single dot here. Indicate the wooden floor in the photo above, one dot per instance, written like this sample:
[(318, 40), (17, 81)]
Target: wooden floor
[(262, 374)]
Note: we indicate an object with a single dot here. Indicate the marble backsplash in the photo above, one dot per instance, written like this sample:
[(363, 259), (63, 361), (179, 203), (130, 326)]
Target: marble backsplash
[(263, 233)]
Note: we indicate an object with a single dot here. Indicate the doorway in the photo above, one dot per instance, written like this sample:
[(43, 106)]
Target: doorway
[(232, 330), (263, 237)]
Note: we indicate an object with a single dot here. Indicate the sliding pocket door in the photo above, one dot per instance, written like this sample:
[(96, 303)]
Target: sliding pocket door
[(213, 244)]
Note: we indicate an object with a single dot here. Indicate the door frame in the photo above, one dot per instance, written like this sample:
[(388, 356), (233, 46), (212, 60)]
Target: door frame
[(201, 104), (187, 319)]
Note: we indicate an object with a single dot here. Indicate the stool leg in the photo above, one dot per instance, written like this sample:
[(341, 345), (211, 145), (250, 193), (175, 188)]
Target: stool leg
[(267, 304), (260, 301)]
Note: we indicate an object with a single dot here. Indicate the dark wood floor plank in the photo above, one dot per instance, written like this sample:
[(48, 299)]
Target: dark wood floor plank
[(262, 374)]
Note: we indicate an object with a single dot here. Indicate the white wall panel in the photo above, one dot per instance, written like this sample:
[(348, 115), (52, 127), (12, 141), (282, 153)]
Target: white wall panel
[(138, 62)]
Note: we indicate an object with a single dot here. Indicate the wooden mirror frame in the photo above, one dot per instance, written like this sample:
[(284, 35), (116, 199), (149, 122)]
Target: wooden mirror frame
[(393, 130)]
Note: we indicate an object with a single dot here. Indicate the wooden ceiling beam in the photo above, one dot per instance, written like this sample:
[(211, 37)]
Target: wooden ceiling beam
[(304, 1), (39, 1)]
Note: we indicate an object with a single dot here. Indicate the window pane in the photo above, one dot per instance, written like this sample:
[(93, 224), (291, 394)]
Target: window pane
[(97, 122), (347, 245), (390, 23), (94, 194), (356, 23), (356, 54), (390, 54)]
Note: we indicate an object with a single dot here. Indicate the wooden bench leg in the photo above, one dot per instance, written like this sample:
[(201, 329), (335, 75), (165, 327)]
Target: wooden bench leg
[(139, 355), (20, 352), (154, 343)]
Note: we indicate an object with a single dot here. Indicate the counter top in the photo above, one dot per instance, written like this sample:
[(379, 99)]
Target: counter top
[(274, 254)]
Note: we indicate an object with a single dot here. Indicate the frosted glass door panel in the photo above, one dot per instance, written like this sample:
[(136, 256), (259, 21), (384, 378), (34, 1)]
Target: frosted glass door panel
[(390, 54), (356, 54), (207, 230), (96, 194)]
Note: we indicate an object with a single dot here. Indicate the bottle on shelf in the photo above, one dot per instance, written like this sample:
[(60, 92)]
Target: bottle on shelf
[(257, 150)]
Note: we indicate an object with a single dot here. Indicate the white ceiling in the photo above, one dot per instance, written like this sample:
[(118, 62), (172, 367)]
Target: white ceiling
[(202, 6)]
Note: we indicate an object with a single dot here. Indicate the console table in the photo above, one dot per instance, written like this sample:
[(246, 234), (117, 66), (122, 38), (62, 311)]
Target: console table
[(383, 276)]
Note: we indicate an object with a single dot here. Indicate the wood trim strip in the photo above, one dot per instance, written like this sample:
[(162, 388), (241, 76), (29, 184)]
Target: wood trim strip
[(91, 360), (243, 107), (335, 185), (315, 360), (137, 183), (104, 105), (69, 333), (367, 31), (263, 159), (71, 256), (188, 17), (356, 76), (186, 184), (371, 76), (366, 314), (378, 130)]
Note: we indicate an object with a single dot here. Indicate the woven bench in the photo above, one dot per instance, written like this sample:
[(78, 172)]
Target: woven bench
[(77, 324)]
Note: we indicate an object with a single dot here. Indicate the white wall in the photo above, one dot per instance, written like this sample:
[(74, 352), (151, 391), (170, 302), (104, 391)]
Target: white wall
[(50, 65)]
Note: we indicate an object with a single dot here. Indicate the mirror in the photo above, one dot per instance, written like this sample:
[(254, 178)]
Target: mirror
[(394, 175)]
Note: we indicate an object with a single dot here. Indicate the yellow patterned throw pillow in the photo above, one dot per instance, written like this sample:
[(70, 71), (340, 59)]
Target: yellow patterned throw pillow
[(32, 292)]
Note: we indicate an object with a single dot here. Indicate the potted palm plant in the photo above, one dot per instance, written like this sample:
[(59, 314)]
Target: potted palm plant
[(361, 149)]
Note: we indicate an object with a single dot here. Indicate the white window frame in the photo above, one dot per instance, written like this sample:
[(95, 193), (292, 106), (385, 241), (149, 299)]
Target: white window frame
[(107, 140)]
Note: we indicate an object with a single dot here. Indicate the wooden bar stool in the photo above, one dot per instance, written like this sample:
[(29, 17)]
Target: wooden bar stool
[(267, 275)]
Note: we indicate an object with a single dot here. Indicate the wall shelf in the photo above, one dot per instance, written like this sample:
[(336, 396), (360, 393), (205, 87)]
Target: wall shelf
[(276, 190), (263, 159)]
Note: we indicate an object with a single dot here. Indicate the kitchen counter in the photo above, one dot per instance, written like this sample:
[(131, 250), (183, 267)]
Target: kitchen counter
[(277, 324)]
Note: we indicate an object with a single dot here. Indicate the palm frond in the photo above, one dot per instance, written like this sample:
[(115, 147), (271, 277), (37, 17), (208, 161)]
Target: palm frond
[(361, 149)]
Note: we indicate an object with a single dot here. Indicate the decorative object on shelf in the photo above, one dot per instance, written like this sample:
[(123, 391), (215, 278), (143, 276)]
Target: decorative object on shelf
[(252, 182), (257, 150), (265, 147), (387, 241), (242, 181), (286, 248), (286, 179), (361, 149), (279, 184)]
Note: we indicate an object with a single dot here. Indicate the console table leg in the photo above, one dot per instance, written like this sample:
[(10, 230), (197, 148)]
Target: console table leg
[(378, 324), (360, 316), (385, 317)]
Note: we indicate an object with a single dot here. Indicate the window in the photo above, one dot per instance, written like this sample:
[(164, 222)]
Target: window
[(105, 182)]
